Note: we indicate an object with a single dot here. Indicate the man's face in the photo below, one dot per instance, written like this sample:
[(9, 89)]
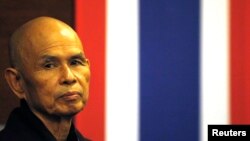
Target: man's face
[(56, 76)]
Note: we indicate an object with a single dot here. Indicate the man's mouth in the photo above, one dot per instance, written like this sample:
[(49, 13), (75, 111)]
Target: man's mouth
[(71, 96)]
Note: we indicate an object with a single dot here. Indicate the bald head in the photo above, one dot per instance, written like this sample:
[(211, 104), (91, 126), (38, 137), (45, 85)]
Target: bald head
[(38, 34)]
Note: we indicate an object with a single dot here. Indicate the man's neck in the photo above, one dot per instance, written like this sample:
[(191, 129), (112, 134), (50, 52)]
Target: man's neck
[(59, 127)]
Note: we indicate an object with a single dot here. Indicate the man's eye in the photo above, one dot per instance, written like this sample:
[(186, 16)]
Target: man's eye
[(76, 62), (49, 65)]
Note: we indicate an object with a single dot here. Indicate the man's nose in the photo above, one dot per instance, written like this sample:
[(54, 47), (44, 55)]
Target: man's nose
[(67, 76)]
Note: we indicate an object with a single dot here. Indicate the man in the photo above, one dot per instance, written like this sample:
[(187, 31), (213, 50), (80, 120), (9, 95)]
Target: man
[(50, 74)]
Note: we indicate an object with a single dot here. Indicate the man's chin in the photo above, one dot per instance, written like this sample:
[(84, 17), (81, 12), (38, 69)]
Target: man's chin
[(72, 110), (70, 113)]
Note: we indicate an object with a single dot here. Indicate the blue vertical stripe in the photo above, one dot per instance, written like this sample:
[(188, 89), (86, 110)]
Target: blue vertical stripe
[(169, 70)]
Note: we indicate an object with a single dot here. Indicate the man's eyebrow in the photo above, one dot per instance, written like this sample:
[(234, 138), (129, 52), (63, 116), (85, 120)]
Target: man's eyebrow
[(79, 56), (48, 58)]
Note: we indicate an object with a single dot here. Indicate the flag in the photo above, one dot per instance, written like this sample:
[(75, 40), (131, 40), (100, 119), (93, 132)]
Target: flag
[(163, 70)]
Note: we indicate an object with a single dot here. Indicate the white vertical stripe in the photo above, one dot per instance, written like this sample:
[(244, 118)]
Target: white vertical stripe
[(122, 121), (214, 64)]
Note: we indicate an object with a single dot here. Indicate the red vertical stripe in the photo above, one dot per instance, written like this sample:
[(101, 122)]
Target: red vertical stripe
[(90, 25), (240, 61)]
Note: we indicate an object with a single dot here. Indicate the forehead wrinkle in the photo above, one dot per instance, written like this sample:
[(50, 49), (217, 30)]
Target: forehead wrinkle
[(48, 47), (48, 57), (50, 51)]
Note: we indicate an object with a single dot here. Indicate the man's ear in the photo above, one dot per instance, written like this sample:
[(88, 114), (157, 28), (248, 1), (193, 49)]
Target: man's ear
[(88, 62), (14, 80)]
